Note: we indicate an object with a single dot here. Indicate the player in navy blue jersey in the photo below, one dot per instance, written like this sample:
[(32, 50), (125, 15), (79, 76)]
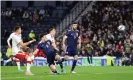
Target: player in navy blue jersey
[(48, 49), (71, 41)]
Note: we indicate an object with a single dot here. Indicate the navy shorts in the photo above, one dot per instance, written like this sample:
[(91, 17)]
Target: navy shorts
[(50, 54), (71, 51), (51, 58)]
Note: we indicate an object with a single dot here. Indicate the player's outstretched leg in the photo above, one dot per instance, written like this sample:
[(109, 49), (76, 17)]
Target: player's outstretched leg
[(57, 57), (29, 61), (74, 63), (9, 60), (12, 58), (18, 65), (50, 59)]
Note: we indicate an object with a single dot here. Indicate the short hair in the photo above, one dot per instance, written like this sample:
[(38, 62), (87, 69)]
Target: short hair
[(41, 35), (51, 29), (16, 28), (74, 23)]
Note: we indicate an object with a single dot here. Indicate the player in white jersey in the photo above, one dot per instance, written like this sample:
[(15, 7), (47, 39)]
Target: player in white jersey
[(15, 50), (15, 47), (17, 44)]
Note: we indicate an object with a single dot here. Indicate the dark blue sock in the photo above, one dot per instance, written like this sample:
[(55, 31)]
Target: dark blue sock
[(62, 60), (61, 65), (74, 64), (55, 71)]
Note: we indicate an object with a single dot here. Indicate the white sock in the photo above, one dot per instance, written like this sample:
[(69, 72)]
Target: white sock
[(18, 65), (8, 60), (28, 64), (28, 67)]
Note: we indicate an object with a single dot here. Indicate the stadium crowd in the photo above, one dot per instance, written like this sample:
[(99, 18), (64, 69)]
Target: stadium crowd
[(99, 29), (26, 14)]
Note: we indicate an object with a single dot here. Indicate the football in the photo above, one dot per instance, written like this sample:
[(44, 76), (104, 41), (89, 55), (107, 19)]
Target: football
[(121, 28)]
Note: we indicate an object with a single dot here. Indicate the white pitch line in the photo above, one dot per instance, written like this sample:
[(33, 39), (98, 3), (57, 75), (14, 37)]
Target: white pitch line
[(5, 78), (11, 78)]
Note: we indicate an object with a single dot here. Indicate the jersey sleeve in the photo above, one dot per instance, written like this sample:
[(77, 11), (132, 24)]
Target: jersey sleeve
[(68, 33), (8, 40)]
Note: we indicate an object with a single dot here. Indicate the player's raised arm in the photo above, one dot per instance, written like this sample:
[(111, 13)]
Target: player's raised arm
[(24, 45)]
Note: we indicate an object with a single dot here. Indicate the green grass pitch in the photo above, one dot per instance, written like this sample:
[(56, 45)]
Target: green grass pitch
[(83, 73)]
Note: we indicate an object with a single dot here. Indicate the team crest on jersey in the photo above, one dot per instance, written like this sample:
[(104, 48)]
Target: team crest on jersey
[(48, 43), (47, 46)]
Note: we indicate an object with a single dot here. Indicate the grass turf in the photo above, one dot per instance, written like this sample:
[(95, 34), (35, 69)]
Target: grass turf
[(83, 73)]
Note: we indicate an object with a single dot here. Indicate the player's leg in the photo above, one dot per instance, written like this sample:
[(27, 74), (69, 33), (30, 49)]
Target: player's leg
[(60, 60), (50, 60), (74, 63), (18, 64), (52, 68), (29, 61), (11, 58), (28, 58)]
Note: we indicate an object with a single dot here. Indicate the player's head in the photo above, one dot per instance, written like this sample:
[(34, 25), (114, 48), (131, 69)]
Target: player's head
[(52, 31), (74, 26), (43, 37), (18, 29)]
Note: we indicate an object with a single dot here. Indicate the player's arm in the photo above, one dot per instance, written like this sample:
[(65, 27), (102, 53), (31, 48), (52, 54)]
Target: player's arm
[(55, 47), (35, 52), (24, 45), (8, 40), (64, 40), (79, 41), (37, 49)]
